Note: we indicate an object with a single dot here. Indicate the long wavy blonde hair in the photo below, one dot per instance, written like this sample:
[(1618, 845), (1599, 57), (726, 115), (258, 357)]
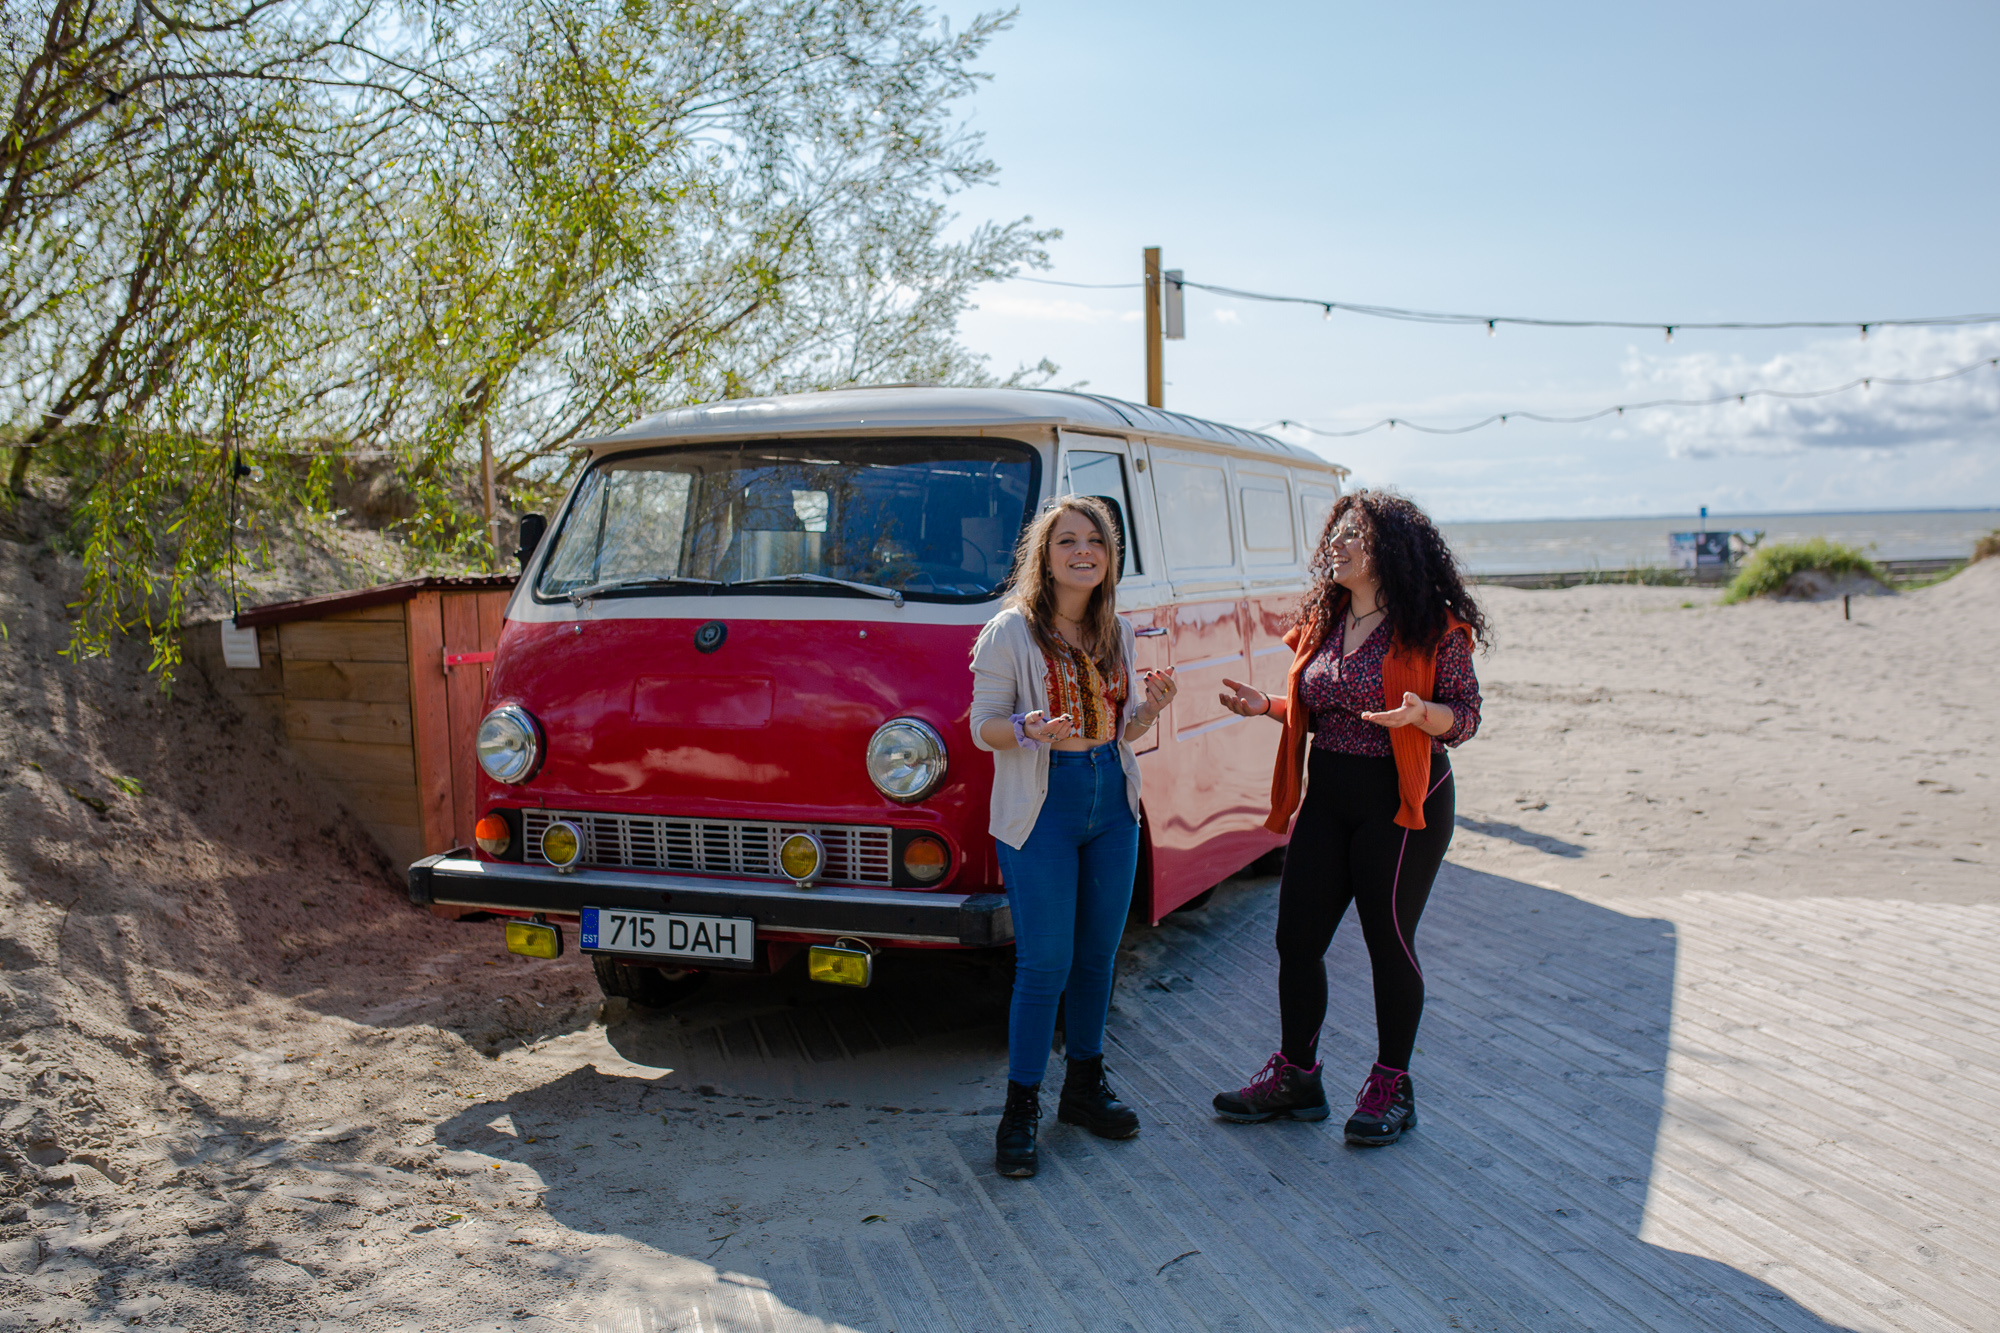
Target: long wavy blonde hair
[(1032, 590)]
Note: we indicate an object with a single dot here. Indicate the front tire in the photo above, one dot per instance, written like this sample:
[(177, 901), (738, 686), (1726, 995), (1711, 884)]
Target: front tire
[(645, 984)]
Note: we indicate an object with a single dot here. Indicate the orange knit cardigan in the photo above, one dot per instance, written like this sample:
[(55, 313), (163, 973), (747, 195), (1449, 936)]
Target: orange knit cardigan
[(1403, 669)]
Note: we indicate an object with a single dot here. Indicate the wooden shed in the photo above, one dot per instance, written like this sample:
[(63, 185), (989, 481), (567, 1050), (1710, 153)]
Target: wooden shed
[(379, 690)]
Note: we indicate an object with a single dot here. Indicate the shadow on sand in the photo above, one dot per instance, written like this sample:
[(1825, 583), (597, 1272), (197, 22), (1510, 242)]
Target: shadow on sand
[(1517, 1204)]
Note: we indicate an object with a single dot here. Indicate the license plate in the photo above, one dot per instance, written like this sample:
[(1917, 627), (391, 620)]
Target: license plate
[(618, 930)]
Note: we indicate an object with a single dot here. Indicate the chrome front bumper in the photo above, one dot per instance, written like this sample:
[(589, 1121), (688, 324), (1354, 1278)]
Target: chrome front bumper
[(976, 920)]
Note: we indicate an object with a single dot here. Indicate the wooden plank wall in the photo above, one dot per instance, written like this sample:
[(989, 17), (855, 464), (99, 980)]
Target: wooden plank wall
[(347, 713), (447, 703)]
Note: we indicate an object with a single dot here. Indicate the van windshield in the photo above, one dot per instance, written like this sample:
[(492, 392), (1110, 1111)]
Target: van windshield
[(931, 518)]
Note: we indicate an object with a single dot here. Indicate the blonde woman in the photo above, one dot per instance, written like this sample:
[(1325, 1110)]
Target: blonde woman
[(1052, 699)]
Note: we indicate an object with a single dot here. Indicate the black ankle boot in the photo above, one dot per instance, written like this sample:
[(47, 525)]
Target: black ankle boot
[(1386, 1107), (1014, 1141), (1088, 1100)]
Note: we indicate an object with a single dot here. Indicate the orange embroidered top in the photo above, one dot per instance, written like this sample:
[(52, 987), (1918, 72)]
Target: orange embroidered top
[(1078, 688)]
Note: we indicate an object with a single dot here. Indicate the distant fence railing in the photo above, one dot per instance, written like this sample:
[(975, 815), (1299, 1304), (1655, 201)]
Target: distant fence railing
[(1899, 571)]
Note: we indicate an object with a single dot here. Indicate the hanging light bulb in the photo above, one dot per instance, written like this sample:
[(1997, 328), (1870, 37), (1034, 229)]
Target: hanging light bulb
[(1670, 333), (1327, 313), (1489, 328)]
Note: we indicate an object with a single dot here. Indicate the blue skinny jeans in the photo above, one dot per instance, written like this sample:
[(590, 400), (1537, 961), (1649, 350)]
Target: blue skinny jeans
[(1070, 886)]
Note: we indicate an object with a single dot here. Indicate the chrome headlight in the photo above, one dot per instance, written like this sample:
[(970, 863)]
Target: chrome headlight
[(906, 759), (509, 744)]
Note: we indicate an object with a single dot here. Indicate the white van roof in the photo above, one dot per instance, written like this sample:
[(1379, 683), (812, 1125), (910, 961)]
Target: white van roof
[(921, 408)]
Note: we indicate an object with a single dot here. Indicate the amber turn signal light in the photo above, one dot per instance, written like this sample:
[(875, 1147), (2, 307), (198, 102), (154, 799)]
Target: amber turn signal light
[(925, 860), (532, 939), (493, 835)]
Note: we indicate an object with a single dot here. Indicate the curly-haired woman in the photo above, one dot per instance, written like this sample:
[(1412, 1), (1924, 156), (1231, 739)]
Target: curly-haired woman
[(1053, 700), (1382, 680)]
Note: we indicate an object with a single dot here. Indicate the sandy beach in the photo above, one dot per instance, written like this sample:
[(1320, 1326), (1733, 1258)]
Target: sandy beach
[(1646, 741), (244, 1086)]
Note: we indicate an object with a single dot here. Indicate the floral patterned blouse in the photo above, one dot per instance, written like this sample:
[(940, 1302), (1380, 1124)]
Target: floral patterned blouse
[(1339, 689), (1078, 688)]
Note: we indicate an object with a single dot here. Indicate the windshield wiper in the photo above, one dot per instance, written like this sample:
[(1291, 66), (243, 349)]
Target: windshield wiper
[(872, 589), (581, 595)]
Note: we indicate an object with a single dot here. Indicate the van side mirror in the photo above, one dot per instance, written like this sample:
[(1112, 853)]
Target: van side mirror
[(533, 526)]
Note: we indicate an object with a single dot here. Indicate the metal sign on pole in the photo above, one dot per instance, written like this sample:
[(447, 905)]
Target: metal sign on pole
[(1176, 312), (1156, 391)]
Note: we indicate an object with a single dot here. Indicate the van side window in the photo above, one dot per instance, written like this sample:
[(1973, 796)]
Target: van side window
[(1314, 505), (1194, 514), (1092, 472), (1267, 521)]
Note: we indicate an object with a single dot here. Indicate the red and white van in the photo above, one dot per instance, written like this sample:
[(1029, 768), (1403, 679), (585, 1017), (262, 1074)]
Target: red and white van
[(727, 716)]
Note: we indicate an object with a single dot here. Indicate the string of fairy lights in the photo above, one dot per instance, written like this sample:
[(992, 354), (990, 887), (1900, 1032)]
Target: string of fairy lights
[(1668, 328), (1620, 409)]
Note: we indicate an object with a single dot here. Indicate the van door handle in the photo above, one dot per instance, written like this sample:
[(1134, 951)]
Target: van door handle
[(1148, 632)]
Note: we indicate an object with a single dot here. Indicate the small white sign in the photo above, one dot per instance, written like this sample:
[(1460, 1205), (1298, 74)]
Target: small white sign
[(239, 647)]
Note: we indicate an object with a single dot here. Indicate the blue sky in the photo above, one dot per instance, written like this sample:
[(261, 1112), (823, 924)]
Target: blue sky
[(1692, 161)]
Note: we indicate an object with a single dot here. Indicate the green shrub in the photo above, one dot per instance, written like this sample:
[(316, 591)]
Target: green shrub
[(1986, 547), (1768, 571)]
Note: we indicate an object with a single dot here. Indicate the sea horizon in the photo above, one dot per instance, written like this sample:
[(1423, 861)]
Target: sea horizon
[(1552, 545)]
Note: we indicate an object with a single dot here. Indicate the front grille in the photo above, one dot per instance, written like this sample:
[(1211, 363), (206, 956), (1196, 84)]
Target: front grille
[(854, 855)]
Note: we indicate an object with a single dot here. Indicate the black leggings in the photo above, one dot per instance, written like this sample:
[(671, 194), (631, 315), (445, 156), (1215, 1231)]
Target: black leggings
[(1347, 847)]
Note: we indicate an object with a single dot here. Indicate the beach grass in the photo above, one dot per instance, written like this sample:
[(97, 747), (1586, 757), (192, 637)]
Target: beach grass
[(1772, 567), (1986, 547)]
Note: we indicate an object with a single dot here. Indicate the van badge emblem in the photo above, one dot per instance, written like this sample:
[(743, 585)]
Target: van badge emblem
[(710, 636)]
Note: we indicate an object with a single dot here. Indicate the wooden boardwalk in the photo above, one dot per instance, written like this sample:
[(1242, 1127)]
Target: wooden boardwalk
[(1741, 1114)]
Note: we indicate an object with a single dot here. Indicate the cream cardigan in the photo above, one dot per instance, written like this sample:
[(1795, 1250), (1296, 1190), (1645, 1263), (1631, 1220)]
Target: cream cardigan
[(1008, 677)]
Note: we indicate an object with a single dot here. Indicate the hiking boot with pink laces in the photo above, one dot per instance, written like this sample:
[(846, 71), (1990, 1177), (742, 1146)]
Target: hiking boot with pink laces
[(1386, 1106), (1280, 1089)]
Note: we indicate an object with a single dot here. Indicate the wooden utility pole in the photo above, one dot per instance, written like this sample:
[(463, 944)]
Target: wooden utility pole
[(486, 483), (1156, 376)]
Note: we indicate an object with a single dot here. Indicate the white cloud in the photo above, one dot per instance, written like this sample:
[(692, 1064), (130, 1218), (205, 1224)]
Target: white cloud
[(1227, 317), (1881, 417)]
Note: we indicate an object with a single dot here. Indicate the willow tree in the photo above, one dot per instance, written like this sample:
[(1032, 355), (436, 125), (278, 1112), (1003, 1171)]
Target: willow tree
[(305, 230)]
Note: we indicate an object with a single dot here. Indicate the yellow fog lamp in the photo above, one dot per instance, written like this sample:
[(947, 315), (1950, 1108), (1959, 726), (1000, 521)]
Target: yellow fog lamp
[(802, 857), (534, 939), (845, 962), (562, 844)]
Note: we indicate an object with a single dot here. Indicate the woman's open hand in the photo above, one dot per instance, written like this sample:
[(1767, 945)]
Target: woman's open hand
[(1412, 712), (1040, 727), (1244, 701)]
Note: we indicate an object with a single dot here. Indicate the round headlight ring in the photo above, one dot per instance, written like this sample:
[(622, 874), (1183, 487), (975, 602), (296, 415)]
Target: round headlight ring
[(562, 844), (509, 744), (906, 759)]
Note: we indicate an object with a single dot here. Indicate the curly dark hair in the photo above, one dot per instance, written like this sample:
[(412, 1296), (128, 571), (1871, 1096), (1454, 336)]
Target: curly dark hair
[(1417, 572)]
